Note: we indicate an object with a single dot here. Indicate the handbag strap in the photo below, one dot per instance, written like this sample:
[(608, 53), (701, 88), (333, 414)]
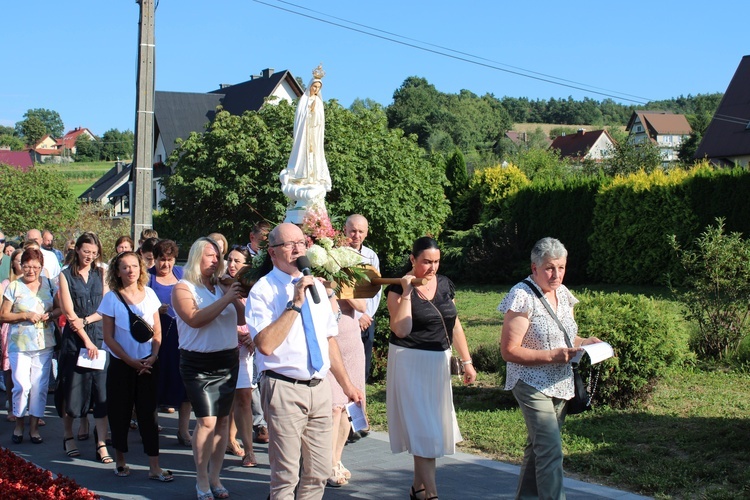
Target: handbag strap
[(442, 320), (127, 306), (549, 310)]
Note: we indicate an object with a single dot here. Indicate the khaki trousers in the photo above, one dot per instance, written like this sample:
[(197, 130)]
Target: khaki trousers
[(299, 421), (541, 474)]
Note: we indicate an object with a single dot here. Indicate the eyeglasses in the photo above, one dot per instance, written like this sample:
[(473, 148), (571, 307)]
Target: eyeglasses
[(290, 244), (31, 268), (89, 253)]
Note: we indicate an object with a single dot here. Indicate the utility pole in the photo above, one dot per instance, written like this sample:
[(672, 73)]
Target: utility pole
[(141, 199)]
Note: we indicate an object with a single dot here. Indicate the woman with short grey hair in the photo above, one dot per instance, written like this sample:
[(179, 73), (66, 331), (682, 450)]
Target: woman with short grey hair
[(539, 371)]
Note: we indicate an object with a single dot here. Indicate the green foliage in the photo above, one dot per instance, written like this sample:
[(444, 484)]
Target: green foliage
[(51, 122), (507, 150), (95, 218), (648, 336), (32, 130), (632, 218), (87, 150), (496, 185), (231, 173), (116, 145), (5, 130), (721, 192), (487, 358), (11, 141), (541, 163), (717, 289), (626, 158), (455, 173), (37, 198), (443, 121)]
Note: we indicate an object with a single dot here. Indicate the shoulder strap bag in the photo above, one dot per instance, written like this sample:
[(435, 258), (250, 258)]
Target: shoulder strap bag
[(581, 401), (139, 329), (456, 366)]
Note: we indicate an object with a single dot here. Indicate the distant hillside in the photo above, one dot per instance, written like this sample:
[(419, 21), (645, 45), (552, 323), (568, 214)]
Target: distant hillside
[(546, 127)]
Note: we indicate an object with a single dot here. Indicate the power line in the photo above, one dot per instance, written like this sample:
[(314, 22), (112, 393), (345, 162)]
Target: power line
[(462, 57)]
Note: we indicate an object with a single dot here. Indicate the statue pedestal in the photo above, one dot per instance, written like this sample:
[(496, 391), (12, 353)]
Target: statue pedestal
[(303, 196)]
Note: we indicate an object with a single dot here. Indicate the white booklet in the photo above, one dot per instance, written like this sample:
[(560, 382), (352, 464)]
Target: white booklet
[(597, 352), (97, 364), (357, 417)]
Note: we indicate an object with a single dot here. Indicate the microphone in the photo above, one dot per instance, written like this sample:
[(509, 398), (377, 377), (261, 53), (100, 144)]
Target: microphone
[(303, 264)]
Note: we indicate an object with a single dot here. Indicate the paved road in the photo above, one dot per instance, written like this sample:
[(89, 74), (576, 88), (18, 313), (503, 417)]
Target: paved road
[(377, 473)]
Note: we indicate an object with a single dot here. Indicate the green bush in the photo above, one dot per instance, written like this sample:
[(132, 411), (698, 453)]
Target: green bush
[(632, 218), (717, 288), (496, 185), (487, 358), (649, 336)]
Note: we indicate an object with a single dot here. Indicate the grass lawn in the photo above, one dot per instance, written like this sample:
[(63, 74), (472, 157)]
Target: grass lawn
[(81, 175), (689, 441)]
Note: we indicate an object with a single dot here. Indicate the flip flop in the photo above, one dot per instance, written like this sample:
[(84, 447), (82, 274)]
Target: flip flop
[(165, 476), (249, 460), (220, 492)]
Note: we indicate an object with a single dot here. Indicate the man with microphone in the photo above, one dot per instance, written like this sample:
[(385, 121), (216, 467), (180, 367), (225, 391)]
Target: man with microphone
[(295, 348)]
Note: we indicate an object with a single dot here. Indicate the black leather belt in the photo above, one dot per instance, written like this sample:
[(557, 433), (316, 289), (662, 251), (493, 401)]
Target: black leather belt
[(278, 376)]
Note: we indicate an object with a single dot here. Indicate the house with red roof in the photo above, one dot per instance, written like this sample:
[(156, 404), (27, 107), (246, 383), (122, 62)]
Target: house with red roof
[(68, 141), (584, 145), (665, 130), (726, 141)]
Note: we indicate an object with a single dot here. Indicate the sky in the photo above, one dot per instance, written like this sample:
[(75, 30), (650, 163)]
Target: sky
[(79, 58)]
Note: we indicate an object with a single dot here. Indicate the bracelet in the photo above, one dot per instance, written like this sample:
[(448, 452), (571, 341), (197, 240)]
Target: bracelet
[(467, 362), (333, 292), (85, 322), (406, 297)]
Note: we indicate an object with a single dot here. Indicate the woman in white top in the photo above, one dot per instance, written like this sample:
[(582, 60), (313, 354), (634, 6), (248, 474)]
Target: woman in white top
[(539, 371), (133, 369), (207, 319)]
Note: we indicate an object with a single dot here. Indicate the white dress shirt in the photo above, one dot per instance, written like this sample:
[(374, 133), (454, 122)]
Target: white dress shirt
[(266, 303), (370, 257)]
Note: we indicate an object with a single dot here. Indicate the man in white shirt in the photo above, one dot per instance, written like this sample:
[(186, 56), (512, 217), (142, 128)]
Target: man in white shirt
[(51, 264), (295, 359), (357, 229)]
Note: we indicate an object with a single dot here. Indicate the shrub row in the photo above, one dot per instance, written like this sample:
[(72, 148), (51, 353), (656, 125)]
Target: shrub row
[(616, 230)]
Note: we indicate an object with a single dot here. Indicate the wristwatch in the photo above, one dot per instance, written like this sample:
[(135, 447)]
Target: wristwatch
[(291, 307), (85, 322)]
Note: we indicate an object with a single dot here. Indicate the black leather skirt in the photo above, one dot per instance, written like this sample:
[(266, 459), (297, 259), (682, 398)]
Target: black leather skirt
[(210, 379)]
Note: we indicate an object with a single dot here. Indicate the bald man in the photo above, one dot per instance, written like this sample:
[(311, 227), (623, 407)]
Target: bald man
[(51, 264), (356, 229)]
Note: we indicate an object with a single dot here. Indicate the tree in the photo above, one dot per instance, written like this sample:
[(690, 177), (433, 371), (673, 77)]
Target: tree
[(39, 197), (87, 149), (32, 130), (626, 157), (53, 124), (4, 130), (227, 178), (458, 179), (11, 141), (116, 144)]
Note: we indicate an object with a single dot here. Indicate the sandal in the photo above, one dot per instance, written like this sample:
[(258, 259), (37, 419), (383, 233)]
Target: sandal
[(337, 480), (234, 448), (73, 452), (249, 460), (123, 471), (413, 493), (343, 470), (219, 492), (105, 459), (204, 495), (184, 441), (165, 476), (133, 424)]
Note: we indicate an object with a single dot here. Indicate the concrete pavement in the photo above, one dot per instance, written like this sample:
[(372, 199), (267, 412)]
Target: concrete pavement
[(377, 473)]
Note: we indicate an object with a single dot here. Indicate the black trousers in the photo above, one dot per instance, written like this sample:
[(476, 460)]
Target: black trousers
[(126, 388)]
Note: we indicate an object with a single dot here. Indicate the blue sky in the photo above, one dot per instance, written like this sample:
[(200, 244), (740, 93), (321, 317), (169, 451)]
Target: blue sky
[(79, 58)]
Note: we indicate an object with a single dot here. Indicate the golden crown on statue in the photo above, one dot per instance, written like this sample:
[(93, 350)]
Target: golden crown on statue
[(318, 72)]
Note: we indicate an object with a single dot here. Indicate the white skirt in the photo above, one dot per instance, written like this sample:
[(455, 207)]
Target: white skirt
[(245, 377), (419, 399)]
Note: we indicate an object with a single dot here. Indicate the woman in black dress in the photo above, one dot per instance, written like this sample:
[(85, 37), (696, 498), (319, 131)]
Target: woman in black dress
[(81, 290)]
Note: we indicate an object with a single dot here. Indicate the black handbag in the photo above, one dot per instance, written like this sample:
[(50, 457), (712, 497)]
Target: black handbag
[(583, 395), (139, 329)]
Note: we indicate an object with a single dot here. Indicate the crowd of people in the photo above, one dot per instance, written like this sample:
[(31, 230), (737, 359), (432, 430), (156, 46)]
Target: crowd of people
[(275, 364)]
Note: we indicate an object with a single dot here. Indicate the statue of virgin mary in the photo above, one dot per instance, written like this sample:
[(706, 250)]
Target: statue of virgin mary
[(306, 180)]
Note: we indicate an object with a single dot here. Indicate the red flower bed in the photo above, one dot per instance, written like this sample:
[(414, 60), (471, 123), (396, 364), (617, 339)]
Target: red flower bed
[(22, 479)]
